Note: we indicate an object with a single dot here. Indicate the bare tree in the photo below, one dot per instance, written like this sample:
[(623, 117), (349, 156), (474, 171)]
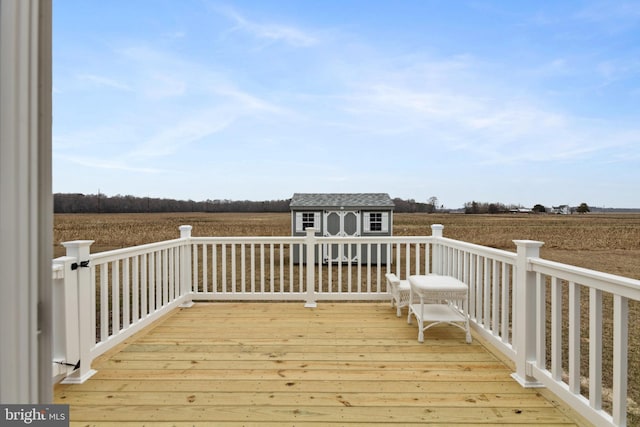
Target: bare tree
[(432, 204)]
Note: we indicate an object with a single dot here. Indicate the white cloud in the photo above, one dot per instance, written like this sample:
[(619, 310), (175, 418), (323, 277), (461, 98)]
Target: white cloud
[(271, 32), (104, 81), (490, 122), (554, 67), (110, 164), (246, 100), (612, 70), (176, 102), (169, 138), (164, 86), (176, 34), (608, 12)]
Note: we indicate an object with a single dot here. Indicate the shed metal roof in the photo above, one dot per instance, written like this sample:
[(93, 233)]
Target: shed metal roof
[(352, 200)]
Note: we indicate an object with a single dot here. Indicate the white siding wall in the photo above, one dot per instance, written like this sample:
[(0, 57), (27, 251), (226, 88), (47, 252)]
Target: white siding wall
[(26, 219)]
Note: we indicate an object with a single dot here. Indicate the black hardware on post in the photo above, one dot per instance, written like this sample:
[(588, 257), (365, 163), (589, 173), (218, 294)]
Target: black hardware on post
[(75, 265), (75, 366)]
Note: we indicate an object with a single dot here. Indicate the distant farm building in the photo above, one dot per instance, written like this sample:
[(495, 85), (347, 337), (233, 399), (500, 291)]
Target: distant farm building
[(561, 210), (343, 215), (520, 211)]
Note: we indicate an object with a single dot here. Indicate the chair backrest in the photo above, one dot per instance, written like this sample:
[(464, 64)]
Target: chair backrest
[(392, 279)]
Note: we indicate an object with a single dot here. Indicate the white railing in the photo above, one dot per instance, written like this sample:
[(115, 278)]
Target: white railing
[(562, 368), (129, 288), (490, 275), (290, 268), (515, 300)]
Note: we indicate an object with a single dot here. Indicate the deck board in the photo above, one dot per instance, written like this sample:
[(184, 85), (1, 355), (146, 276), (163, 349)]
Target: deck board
[(283, 364)]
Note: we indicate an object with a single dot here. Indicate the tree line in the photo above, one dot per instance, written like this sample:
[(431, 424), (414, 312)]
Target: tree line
[(487, 208), (497, 208), (100, 203)]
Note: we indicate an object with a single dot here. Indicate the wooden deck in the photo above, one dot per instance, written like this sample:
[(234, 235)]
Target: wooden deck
[(274, 364)]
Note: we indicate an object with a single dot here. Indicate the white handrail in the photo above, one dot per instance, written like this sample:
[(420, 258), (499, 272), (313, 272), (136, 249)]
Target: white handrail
[(611, 283), (118, 254)]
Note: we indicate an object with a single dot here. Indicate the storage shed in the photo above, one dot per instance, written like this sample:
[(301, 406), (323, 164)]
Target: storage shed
[(343, 214)]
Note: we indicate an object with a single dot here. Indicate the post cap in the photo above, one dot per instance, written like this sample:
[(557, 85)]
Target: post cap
[(528, 243), (77, 243), (436, 230), (185, 231)]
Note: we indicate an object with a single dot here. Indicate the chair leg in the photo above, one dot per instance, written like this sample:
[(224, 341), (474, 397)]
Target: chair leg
[(398, 311)]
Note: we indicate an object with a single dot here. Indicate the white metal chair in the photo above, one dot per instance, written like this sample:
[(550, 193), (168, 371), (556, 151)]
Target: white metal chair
[(437, 295), (399, 290)]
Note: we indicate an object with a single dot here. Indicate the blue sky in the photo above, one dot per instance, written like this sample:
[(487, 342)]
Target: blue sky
[(519, 102)]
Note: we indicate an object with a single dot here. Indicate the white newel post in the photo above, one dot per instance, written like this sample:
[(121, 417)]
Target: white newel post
[(310, 246), (66, 335), (186, 264), (524, 318), (436, 231), (79, 249)]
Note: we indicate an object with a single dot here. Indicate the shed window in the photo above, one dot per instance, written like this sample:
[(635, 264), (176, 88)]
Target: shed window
[(306, 220), (376, 222)]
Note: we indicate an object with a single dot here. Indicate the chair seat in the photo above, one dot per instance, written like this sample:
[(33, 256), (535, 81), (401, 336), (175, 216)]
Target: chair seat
[(439, 287), (404, 285), (399, 290)]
